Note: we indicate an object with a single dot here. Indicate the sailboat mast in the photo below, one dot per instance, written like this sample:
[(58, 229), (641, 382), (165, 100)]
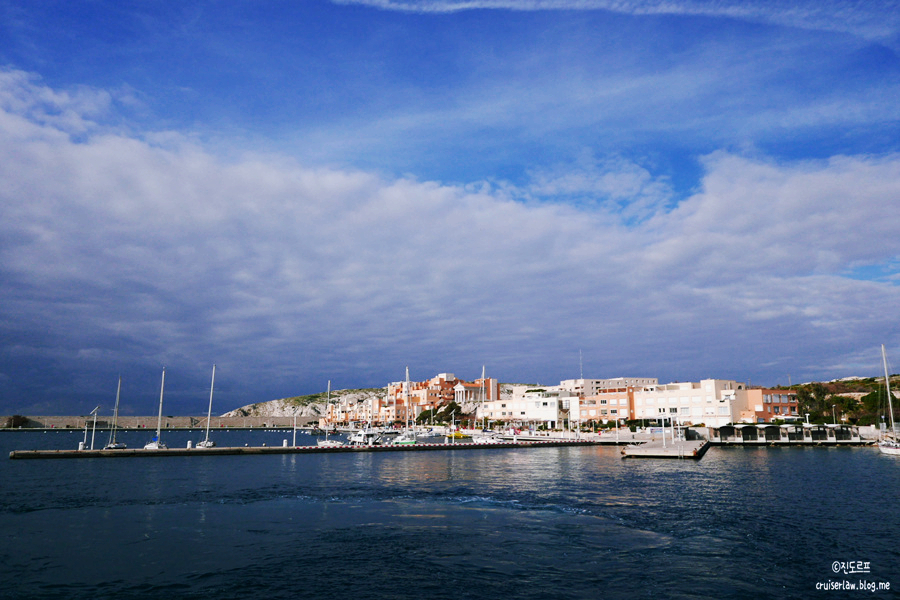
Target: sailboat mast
[(887, 384), (209, 412), (407, 397), (483, 416), (162, 386), (112, 434), (328, 412)]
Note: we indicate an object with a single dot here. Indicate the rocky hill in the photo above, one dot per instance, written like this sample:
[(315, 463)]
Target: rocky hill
[(304, 406)]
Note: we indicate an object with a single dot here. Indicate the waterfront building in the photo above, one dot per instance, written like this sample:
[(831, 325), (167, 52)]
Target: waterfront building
[(532, 406), (467, 392), (712, 402), (766, 405), (605, 405)]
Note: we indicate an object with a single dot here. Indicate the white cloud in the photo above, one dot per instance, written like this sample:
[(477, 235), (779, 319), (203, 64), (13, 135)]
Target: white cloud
[(614, 184), (754, 217), (174, 255)]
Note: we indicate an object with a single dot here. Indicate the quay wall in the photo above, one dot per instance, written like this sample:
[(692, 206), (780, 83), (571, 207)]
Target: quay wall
[(149, 422)]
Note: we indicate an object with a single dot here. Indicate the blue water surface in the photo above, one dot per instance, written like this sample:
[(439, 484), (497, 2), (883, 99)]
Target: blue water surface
[(489, 523)]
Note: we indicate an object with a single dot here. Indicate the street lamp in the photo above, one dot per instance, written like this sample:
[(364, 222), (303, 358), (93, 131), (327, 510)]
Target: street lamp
[(833, 417)]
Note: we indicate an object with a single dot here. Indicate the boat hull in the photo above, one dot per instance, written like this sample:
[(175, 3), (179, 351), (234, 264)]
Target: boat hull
[(892, 448)]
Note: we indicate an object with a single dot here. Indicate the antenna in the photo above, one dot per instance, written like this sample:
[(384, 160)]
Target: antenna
[(581, 363)]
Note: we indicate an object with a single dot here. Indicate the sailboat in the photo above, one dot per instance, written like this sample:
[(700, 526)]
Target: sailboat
[(485, 437), (208, 443), (408, 437), (890, 444), (326, 443), (113, 444), (156, 443)]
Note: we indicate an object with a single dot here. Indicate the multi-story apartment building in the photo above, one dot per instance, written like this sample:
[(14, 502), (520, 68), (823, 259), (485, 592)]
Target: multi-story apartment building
[(713, 402), (428, 395), (604, 405), (547, 406), (766, 405), (592, 387)]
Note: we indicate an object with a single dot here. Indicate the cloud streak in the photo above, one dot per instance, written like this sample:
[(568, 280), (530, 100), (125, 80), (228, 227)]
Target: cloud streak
[(870, 20)]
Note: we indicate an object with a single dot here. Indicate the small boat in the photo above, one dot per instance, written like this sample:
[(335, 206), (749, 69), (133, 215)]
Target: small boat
[(486, 437), (332, 443), (208, 443), (406, 438), (113, 444), (889, 444), (366, 437), (329, 443), (156, 443)]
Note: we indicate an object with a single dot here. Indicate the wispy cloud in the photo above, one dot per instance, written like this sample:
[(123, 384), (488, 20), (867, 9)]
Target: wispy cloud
[(866, 19)]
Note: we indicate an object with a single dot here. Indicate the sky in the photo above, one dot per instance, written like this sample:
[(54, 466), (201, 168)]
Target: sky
[(309, 191)]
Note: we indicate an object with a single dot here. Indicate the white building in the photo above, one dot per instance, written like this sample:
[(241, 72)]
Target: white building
[(713, 402), (591, 387), (532, 405)]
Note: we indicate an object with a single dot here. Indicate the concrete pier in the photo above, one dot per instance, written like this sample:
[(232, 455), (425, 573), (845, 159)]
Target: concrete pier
[(257, 450), (692, 449)]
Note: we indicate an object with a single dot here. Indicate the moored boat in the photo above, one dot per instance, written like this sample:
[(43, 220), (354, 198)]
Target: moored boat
[(208, 443), (889, 444), (113, 444), (329, 443), (156, 442)]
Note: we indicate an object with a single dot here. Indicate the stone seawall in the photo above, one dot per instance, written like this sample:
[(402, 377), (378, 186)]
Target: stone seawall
[(78, 422)]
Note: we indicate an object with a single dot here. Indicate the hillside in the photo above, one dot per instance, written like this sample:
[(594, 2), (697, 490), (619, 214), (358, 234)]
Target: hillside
[(311, 405)]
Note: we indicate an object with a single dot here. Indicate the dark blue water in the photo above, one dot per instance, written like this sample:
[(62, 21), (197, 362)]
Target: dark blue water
[(531, 523)]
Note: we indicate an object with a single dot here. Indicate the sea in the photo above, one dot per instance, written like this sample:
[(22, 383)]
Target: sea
[(555, 523)]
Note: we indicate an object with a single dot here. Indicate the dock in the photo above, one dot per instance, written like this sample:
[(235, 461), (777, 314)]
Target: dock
[(260, 450), (691, 449)]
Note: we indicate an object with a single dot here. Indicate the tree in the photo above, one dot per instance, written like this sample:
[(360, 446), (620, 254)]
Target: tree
[(16, 421)]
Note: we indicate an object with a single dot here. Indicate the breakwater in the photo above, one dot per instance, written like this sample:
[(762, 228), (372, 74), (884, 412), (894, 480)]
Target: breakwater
[(149, 422), (265, 450)]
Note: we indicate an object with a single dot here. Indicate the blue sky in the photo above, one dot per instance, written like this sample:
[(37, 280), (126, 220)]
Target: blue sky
[(305, 191)]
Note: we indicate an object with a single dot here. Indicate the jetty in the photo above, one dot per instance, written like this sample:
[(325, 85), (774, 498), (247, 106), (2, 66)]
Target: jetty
[(690, 449), (285, 449)]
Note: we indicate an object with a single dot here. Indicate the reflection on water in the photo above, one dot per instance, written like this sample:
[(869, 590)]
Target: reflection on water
[(549, 522)]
